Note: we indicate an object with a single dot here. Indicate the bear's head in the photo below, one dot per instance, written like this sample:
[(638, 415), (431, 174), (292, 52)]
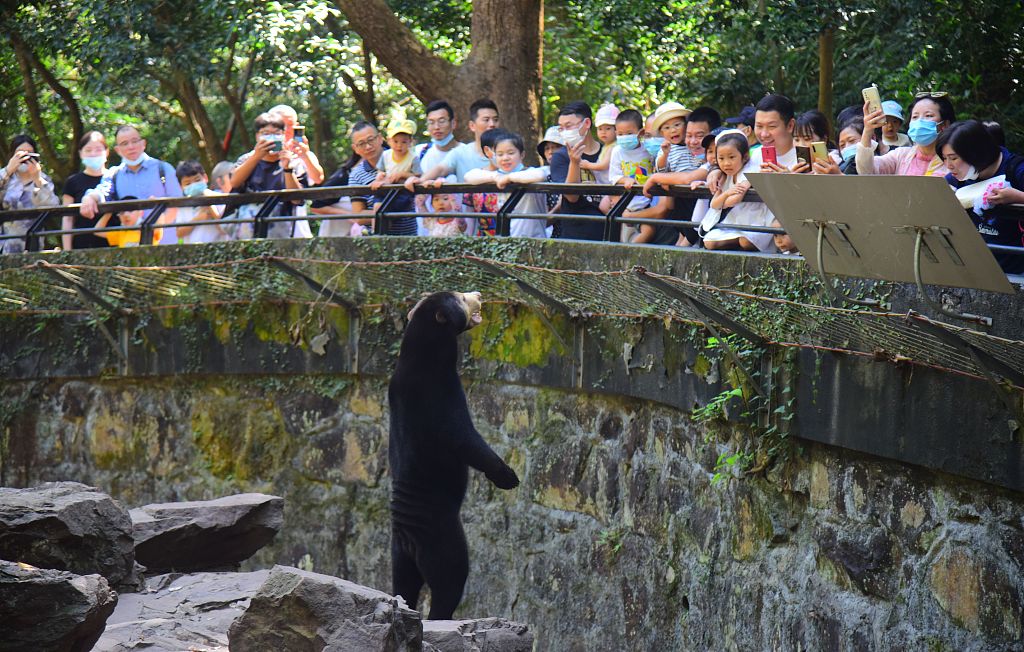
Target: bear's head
[(456, 311)]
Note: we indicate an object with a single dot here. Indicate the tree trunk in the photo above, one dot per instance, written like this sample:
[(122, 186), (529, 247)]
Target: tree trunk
[(504, 62), (826, 61), (322, 134), (209, 144)]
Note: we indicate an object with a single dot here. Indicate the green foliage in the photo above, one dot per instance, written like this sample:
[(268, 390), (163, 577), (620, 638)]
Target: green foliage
[(117, 59)]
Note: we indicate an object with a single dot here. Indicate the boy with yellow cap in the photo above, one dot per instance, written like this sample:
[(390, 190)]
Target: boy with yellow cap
[(398, 163)]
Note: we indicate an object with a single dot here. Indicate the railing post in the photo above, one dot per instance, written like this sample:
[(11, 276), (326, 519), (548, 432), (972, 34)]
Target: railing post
[(381, 212), (31, 243), (146, 235), (261, 227), (504, 225), (617, 210)]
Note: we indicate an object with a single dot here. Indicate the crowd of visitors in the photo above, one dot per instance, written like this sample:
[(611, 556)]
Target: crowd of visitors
[(674, 146)]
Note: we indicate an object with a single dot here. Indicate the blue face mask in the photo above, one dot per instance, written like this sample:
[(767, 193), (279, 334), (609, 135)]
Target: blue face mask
[(194, 189), (133, 162), (653, 145), (923, 132), (94, 162), (517, 169), (849, 152), (630, 141), (444, 141)]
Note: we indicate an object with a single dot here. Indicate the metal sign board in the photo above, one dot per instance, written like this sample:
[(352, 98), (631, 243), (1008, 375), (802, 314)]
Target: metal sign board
[(870, 226)]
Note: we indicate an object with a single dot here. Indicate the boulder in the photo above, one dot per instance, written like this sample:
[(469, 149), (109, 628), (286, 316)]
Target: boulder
[(47, 610), (67, 526), (205, 535), (480, 635), (180, 612), (299, 611)]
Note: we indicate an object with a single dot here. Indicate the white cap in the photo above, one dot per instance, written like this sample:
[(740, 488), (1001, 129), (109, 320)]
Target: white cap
[(606, 115)]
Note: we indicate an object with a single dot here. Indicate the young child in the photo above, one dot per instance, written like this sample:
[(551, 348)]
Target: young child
[(891, 135), (126, 238), (604, 120), (732, 152), (444, 227), (194, 183), (782, 241), (702, 206), (546, 148), (506, 155), (398, 163), (630, 162)]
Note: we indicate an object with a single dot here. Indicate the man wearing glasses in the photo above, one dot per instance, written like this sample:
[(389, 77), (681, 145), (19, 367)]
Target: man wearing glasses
[(441, 126), (483, 116), (138, 175)]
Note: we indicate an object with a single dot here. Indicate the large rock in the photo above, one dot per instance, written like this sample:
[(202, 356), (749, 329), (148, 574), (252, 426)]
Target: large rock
[(300, 611), (480, 635), (205, 535), (67, 526), (180, 612), (46, 610)]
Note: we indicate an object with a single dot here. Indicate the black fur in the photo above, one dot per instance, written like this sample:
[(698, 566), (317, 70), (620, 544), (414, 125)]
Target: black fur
[(432, 444)]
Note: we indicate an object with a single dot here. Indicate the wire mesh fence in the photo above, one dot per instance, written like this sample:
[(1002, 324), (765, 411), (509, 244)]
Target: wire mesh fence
[(43, 288)]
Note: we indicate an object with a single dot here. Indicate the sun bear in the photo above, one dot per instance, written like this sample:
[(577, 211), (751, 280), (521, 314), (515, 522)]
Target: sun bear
[(431, 445)]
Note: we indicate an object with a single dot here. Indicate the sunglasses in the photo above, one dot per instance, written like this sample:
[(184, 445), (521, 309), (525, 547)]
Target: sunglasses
[(931, 94)]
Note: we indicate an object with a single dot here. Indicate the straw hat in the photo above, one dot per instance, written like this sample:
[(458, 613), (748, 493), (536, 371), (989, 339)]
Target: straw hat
[(666, 112)]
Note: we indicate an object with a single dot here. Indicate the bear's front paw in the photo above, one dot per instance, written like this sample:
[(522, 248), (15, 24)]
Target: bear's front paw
[(504, 477)]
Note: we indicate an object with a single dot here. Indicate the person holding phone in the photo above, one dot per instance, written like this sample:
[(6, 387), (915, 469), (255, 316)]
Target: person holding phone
[(930, 113), (23, 185), (269, 166)]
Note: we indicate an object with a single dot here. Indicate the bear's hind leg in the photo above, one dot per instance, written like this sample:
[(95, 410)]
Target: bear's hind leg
[(406, 579), (445, 565)]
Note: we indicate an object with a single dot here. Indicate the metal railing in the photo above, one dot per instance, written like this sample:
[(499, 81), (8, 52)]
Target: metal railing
[(382, 212)]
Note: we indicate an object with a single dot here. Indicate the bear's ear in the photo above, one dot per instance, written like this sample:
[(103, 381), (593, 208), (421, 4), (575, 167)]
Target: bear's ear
[(439, 316)]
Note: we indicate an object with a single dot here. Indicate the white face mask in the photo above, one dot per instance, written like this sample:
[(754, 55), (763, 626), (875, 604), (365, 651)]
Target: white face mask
[(971, 175)]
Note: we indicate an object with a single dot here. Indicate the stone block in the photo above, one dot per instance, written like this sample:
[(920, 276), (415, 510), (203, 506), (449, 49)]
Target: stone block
[(479, 635), (67, 526), (180, 612), (205, 535), (300, 611), (51, 610)]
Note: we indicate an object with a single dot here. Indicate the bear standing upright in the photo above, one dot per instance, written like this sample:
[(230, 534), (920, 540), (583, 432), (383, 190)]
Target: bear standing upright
[(432, 443)]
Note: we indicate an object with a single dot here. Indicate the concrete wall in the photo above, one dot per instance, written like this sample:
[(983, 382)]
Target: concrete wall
[(619, 536)]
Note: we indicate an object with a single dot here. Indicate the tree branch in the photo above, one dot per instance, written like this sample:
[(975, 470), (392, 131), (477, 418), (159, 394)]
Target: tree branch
[(424, 73), (35, 112), (77, 125)]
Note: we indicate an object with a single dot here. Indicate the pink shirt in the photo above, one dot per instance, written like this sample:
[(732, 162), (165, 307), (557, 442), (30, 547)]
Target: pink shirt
[(905, 161)]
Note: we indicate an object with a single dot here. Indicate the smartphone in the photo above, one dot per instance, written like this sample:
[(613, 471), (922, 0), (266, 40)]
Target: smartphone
[(299, 133), (873, 99), (768, 154), (819, 151), (277, 140), (804, 154)]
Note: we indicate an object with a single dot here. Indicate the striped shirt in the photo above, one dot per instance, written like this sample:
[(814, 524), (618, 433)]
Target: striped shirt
[(681, 159), (363, 175)]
